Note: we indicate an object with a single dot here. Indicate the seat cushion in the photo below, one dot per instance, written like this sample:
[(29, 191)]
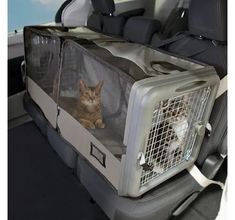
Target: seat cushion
[(113, 25), (141, 29)]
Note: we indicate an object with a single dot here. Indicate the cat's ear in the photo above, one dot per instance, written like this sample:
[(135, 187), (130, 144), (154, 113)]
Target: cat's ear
[(99, 87), (82, 86)]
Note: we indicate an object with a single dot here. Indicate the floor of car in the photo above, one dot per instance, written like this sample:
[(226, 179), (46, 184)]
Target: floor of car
[(40, 186)]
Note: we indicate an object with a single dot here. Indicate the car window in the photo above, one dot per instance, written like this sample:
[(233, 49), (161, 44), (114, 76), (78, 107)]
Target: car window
[(31, 12)]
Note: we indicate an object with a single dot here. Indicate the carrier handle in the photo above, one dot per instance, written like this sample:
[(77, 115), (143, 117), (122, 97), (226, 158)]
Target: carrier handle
[(191, 85)]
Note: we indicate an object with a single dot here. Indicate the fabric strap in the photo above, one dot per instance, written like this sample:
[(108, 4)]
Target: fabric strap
[(201, 179), (171, 40), (222, 87)]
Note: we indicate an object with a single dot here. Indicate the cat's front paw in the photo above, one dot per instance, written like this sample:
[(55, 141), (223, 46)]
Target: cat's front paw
[(99, 124), (87, 124), (90, 126)]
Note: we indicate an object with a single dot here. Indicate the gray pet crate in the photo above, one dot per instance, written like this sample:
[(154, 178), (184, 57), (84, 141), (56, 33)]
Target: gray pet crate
[(155, 106)]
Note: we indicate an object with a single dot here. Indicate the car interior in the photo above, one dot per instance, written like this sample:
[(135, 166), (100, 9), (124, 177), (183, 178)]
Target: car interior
[(48, 177)]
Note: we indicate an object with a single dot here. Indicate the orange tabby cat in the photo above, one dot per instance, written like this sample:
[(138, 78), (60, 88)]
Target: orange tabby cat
[(88, 107)]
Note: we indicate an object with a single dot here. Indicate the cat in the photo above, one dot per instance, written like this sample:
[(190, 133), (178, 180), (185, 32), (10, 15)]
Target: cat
[(88, 107), (166, 139)]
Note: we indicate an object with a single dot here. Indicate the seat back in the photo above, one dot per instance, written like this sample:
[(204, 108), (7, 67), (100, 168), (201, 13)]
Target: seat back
[(60, 11), (176, 22), (103, 18)]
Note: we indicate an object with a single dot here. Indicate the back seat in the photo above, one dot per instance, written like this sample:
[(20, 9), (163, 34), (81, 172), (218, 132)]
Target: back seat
[(103, 19)]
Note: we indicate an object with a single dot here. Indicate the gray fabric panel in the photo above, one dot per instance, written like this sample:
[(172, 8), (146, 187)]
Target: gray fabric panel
[(113, 25), (104, 6), (35, 112), (111, 139), (208, 19), (140, 29), (62, 147), (95, 22), (157, 204)]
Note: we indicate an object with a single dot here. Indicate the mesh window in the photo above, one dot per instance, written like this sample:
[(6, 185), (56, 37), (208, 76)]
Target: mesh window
[(173, 133), (78, 64), (42, 59)]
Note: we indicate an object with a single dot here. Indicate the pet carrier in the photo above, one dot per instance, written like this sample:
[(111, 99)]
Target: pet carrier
[(154, 106)]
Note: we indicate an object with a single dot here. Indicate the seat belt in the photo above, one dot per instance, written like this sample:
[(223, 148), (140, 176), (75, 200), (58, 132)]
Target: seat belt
[(201, 179), (173, 39)]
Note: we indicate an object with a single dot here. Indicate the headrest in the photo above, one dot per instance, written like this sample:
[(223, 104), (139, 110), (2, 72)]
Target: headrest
[(208, 18), (141, 29), (104, 6)]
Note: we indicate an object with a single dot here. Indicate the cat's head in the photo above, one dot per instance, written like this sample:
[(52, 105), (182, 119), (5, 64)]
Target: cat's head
[(90, 97), (176, 110)]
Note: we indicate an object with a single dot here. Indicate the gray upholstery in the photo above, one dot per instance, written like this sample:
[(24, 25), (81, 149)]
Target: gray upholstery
[(106, 7), (35, 113), (141, 29), (62, 147), (208, 19)]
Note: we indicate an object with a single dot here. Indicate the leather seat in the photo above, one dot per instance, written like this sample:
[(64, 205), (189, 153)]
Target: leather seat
[(104, 20)]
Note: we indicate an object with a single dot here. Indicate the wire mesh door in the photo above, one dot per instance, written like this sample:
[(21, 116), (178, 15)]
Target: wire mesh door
[(173, 133)]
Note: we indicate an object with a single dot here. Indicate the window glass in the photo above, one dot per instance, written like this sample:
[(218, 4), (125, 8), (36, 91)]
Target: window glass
[(31, 12)]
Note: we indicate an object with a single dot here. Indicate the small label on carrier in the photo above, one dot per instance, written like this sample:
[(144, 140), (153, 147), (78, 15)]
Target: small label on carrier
[(96, 153)]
